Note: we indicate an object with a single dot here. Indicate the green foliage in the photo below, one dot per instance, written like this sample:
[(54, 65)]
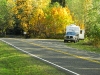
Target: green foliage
[(77, 10), (93, 24), (61, 2), (6, 17), (56, 4), (3, 14)]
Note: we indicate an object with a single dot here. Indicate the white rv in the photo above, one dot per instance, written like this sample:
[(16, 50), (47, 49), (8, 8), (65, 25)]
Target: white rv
[(73, 33)]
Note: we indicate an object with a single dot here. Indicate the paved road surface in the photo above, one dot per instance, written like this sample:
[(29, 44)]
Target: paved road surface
[(76, 61)]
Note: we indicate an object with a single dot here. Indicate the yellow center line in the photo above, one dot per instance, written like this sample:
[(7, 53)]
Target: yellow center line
[(59, 51)]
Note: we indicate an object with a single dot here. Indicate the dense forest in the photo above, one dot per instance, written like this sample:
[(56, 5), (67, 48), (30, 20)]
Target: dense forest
[(48, 18)]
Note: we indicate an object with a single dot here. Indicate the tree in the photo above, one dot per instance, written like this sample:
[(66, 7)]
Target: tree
[(93, 22), (57, 18), (23, 14), (50, 21), (77, 11), (6, 19)]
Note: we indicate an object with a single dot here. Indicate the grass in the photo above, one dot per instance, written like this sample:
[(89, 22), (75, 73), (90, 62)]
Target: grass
[(82, 45), (14, 62)]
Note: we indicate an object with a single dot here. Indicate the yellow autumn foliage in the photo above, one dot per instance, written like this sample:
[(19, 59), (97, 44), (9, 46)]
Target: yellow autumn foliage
[(41, 19), (61, 18), (22, 11), (38, 16)]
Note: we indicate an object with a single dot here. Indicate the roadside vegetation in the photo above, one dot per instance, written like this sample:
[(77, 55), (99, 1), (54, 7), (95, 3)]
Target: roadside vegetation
[(14, 62), (84, 45)]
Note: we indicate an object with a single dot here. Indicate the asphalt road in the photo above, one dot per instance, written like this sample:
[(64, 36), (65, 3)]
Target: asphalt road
[(57, 53)]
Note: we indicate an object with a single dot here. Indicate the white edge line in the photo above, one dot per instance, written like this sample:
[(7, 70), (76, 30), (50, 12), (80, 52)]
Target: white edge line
[(41, 58)]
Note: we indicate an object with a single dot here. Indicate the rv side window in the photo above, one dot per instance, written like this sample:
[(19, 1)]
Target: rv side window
[(80, 31)]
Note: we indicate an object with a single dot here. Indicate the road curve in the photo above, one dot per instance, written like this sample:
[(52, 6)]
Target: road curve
[(58, 54)]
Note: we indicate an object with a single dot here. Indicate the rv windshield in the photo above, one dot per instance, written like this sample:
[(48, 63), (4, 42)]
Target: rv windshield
[(71, 33)]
